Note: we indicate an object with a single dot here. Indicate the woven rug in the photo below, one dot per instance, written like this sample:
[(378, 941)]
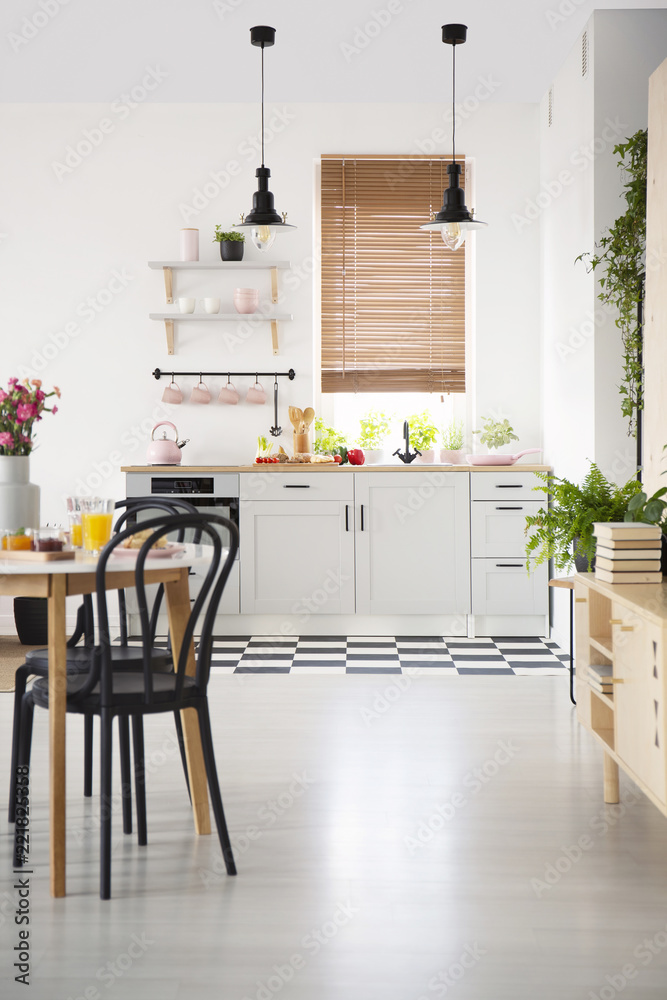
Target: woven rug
[(12, 655)]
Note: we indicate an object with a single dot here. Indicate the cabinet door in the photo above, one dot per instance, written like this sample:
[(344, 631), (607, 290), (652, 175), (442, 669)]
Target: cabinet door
[(639, 709), (503, 586), (413, 543), (297, 557)]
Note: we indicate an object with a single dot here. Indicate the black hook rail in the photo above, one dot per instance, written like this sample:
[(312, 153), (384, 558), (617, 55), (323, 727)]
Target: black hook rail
[(291, 374)]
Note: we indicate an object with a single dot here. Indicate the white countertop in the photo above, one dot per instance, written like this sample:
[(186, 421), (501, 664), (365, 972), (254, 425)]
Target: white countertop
[(198, 470)]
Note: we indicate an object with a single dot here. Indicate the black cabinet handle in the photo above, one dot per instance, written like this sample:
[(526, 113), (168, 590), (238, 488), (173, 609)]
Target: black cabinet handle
[(362, 517), (508, 565), (509, 486), (296, 486), (347, 515), (509, 508)]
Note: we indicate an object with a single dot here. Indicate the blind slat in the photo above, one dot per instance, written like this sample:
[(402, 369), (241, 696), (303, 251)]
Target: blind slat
[(393, 296)]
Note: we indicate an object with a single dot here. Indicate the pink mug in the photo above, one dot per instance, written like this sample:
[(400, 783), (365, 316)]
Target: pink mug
[(256, 394), (172, 394), (228, 394), (200, 393), (246, 300)]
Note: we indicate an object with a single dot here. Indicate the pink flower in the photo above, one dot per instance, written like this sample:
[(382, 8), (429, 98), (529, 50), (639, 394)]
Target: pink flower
[(54, 409), (12, 381), (37, 382), (3, 395), (26, 411), (57, 391), (6, 440), (24, 438), (39, 395)]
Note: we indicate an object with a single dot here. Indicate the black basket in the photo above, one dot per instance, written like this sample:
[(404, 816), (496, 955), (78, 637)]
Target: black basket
[(31, 619)]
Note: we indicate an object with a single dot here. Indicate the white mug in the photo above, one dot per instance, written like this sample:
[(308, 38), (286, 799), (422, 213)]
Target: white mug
[(187, 305), (211, 305)]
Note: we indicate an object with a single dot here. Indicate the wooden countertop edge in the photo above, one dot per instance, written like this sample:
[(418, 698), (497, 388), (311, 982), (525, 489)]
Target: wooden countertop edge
[(196, 470)]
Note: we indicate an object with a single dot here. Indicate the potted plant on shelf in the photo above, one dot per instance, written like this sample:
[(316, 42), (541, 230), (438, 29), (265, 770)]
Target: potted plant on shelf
[(452, 449), (423, 435), (375, 427), (329, 441), (231, 244), (563, 531)]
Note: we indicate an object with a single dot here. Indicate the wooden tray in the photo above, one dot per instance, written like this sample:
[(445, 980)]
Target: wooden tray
[(27, 555)]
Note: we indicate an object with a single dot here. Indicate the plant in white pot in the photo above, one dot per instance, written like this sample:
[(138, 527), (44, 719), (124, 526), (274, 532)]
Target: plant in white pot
[(423, 435), (375, 427), (21, 407), (496, 433), (452, 449)]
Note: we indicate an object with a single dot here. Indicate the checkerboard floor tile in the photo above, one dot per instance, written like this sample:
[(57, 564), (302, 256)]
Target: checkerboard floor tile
[(427, 655)]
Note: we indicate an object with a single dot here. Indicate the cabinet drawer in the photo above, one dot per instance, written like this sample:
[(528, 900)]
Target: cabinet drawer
[(498, 527), (504, 587), (505, 485), (265, 485)]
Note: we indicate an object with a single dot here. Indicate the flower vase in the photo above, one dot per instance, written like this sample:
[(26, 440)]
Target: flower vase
[(19, 498)]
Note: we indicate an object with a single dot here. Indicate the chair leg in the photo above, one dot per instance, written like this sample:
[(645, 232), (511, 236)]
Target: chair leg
[(181, 747), (139, 777), (214, 787), (27, 712), (125, 771), (106, 743), (21, 679), (88, 755)]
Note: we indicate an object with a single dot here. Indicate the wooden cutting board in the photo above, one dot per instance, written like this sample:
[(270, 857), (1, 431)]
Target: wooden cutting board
[(27, 555)]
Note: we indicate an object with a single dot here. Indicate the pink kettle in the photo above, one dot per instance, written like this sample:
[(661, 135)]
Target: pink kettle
[(164, 451)]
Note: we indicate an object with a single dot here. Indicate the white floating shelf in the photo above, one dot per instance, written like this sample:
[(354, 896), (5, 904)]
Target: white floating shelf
[(219, 265), (212, 317)]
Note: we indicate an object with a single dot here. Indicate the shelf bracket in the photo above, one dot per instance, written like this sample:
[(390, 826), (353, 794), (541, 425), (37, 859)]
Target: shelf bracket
[(274, 336), (169, 327), (168, 284), (274, 284)]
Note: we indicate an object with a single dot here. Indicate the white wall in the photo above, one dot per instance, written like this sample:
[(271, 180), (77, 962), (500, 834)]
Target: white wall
[(66, 238)]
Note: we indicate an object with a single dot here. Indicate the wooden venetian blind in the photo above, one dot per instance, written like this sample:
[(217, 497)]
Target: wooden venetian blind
[(393, 296)]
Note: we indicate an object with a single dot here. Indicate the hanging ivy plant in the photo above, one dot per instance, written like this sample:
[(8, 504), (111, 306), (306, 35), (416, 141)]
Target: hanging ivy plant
[(622, 252)]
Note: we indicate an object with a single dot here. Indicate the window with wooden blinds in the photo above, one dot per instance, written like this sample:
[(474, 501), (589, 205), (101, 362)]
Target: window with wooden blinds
[(393, 296)]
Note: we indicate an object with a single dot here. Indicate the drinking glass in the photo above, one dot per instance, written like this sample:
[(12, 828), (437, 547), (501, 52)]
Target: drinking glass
[(96, 518), (74, 518)]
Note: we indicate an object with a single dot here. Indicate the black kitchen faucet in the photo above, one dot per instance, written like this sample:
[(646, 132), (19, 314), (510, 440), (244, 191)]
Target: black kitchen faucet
[(407, 456)]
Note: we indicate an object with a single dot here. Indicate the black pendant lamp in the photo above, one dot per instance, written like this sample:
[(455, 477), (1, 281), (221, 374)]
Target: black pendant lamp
[(454, 220), (263, 221)]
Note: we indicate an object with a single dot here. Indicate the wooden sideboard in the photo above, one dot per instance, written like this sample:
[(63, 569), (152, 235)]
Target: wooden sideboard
[(625, 626)]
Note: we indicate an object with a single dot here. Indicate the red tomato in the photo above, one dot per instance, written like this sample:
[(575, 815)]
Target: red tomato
[(338, 459), (355, 456)]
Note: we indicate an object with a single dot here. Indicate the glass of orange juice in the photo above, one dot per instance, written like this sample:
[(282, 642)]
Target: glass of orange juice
[(96, 518), (74, 516)]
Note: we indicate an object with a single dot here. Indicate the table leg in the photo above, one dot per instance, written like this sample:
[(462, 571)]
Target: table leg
[(610, 772), (572, 698), (57, 719), (178, 607)]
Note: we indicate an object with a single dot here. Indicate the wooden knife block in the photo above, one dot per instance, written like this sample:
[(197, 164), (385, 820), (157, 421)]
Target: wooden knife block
[(301, 443)]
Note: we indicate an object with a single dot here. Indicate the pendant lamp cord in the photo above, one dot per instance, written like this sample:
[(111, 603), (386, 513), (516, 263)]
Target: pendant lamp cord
[(453, 103), (262, 103)]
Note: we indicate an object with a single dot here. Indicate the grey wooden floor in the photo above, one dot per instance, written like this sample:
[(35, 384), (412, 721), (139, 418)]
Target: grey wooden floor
[(396, 838)]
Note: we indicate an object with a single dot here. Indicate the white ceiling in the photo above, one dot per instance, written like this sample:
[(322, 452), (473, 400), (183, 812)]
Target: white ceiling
[(93, 50)]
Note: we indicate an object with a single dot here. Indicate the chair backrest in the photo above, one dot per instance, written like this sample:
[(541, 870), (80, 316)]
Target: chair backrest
[(172, 505), (211, 591)]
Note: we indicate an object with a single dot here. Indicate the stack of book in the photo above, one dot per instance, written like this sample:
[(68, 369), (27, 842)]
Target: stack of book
[(599, 677), (628, 552)]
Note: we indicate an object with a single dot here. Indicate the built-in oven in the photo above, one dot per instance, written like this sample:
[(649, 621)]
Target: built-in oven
[(210, 493)]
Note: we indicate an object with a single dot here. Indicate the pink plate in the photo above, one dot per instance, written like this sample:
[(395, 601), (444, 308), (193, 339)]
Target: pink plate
[(172, 549), (499, 459)]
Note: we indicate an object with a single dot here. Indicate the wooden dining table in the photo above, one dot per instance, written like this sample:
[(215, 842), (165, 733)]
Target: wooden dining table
[(73, 577)]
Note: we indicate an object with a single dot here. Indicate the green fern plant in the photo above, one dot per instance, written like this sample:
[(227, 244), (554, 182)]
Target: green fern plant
[(564, 528)]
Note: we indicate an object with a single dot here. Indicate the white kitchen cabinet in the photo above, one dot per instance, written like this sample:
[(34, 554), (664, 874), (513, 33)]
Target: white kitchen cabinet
[(412, 543), (503, 586), (297, 557)]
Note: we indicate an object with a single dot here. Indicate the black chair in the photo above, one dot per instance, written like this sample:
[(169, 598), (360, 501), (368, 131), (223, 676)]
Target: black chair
[(109, 692), (124, 657)]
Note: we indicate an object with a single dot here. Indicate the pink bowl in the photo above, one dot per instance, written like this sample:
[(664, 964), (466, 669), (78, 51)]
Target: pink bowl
[(246, 300)]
